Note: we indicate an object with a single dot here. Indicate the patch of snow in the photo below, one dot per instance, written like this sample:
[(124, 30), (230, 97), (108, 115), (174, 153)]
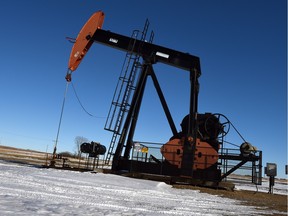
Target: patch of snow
[(278, 188), (27, 190)]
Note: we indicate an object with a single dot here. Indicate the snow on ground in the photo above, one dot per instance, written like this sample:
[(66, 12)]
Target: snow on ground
[(279, 187), (27, 190)]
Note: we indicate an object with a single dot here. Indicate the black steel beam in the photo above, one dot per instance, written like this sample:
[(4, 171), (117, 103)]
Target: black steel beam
[(129, 118), (163, 102), (147, 50), (234, 168), (239, 157)]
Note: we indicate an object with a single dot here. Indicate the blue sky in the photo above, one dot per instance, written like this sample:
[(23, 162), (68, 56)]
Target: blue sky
[(242, 46)]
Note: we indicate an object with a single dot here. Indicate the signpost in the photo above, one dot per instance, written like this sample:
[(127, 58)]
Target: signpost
[(271, 171)]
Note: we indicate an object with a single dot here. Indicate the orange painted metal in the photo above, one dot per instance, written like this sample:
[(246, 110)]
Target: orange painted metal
[(83, 40), (205, 155)]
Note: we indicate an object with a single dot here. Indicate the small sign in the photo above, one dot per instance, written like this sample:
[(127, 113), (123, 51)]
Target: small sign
[(137, 147), (140, 148), (144, 149), (271, 169)]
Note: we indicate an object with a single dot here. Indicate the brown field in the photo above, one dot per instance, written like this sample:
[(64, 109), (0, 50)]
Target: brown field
[(251, 198)]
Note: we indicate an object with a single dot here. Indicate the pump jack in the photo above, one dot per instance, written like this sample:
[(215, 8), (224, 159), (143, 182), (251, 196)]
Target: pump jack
[(191, 153)]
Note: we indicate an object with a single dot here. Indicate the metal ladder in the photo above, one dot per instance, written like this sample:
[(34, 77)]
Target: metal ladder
[(126, 85)]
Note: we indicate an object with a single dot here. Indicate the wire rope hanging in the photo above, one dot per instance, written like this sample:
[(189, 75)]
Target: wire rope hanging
[(69, 80), (79, 101), (59, 126)]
